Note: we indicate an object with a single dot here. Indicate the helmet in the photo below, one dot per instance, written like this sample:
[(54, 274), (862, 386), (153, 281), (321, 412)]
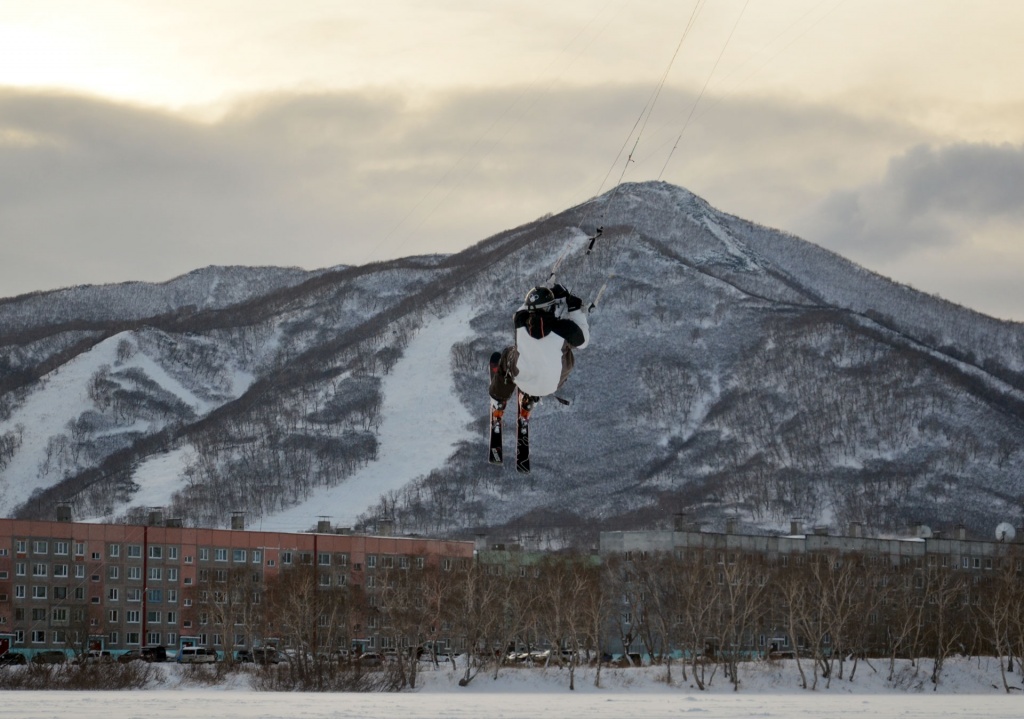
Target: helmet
[(539, 298)]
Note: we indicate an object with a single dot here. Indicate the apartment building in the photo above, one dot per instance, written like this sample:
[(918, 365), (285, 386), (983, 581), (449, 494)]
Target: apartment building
[(67, 585)]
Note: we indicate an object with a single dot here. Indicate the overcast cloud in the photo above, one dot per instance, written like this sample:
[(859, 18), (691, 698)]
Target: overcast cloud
[(93, 190), (930, 197)]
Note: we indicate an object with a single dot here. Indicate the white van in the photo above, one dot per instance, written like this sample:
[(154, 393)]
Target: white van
[(196, 655)]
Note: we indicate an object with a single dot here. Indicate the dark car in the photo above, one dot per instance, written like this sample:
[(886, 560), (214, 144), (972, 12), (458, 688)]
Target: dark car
[(154, 654), (50, 656), (260, 655), (9, 658), (146, 654), (132, 655)]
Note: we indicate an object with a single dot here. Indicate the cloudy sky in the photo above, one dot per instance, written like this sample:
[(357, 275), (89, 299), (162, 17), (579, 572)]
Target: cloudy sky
[(141, 139)]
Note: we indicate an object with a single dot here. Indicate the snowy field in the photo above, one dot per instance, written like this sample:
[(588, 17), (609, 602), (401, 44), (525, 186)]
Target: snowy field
[(168, 704), (969, 688)]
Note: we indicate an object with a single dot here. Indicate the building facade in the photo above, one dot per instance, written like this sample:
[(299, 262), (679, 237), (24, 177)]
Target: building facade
[(66, 585)]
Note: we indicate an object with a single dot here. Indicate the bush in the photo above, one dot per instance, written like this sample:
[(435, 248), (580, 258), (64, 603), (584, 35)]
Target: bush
[(325, 676), (106, 676)]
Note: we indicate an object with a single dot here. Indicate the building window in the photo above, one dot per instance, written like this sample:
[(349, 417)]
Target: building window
[(131, 637), (371, 561), (172, 574), (114, 550), (286, 557), (172, 596), (323, 559), (113, 594), (38, 636), (113, 572), (79, 549), (135, 572), (133, 616), (38, 570), (135, 551), (257, 556), (39, 591), (153, 617), (220, 555), (39, 547), (238, 555), (204, 555), (60, 592), (133, 595), (113, 638), (155, 596), (60, 548), (156, 551), (172, 617), (155, 573), (79, 571)]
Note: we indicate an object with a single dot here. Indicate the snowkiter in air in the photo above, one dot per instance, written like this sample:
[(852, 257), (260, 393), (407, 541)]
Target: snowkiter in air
[(550, 324)]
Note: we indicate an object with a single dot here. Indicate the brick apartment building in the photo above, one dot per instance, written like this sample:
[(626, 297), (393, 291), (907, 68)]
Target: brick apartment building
[(115, 586)]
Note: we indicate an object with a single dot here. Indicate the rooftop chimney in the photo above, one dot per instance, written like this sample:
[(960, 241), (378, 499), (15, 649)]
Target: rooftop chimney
[(238, 520), (156, 517), (385, 526), (323, 525), (730, 525), (796, 526), (856, 529), (63, 512)]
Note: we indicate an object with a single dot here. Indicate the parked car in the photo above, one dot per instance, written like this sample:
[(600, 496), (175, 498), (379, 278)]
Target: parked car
[(196, 655), (369, 659), (95, 656), (50, 656), (12, 658), (154, 654), (260, 655), (132, 655), (146, 654)]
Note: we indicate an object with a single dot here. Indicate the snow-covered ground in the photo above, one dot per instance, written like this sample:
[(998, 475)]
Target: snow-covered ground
[(420, 429), (970, 688)]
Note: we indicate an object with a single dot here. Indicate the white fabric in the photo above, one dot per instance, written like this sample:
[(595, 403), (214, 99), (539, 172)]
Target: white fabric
[(540, 360)]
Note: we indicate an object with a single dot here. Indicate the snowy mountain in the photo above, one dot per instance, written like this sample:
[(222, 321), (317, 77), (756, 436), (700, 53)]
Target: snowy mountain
[(734, 370)]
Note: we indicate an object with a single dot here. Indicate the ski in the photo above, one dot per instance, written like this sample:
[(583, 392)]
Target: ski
[(494, 453), (523, 433)]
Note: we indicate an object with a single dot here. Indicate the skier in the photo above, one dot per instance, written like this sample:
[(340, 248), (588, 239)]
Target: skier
[(549, 325)]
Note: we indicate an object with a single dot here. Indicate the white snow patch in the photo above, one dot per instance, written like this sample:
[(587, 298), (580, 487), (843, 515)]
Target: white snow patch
[(420, 428), (60, 397), (969, 688)]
